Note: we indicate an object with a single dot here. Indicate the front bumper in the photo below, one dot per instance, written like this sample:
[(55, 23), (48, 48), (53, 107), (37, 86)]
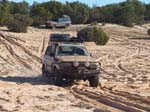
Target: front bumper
[(49, 25), (79, 72)]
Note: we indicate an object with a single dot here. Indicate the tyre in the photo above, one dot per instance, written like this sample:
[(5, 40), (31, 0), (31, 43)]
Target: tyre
[(67, 25), (44, 72), (54, 26), (94, 81), (46, 26), (148, 32), (69, 82), (58, 78)]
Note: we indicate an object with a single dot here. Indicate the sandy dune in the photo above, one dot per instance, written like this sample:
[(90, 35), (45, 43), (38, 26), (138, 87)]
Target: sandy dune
[(124, 79)]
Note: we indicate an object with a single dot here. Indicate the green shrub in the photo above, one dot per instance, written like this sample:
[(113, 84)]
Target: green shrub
[(37, 21), (19, 23), (94, 34), (86, 34)]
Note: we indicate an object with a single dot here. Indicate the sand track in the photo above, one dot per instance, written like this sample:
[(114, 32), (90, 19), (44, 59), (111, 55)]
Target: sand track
[(124, 78), (12, 49), (112, 102), (13, 42)]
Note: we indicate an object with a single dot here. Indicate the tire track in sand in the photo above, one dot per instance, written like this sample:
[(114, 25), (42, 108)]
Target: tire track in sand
[(105, 102)]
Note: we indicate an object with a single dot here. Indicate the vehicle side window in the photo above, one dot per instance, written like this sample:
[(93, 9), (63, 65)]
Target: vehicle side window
[(66, 19), (52, 51), (60, 20), (48, 50)]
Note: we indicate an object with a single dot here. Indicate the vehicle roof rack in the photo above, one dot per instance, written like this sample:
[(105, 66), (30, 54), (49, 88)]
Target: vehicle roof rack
[(65, 38), (65, 16), (77, 39), (59, 37)]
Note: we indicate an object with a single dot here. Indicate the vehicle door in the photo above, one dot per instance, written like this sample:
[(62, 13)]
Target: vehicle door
[(45, 57), (49, 57), (61, 23)]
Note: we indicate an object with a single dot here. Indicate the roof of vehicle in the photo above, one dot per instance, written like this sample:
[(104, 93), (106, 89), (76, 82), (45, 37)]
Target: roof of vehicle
[(59, 37), (65, 16), (71, 44), (65, 39), (55, 37)]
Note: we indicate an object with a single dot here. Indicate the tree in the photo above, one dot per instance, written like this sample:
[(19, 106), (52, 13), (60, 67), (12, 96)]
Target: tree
[(4, 12), (139, 10), (130, 11), (126, 13), (39, 14), (20, 8), (96, 15), (78, 12), (127, 16), (108, 11), (54, 7), (147, 14), (19, 23)]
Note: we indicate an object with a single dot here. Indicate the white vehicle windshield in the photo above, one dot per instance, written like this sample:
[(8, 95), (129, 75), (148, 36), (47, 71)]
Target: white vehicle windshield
[(72, 51)]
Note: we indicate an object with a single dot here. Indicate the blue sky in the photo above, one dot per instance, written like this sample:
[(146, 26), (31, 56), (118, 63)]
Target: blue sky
[(89, 2)]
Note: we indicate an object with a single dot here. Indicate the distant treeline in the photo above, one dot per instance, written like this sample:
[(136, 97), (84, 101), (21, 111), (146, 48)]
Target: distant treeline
[(126, 13)]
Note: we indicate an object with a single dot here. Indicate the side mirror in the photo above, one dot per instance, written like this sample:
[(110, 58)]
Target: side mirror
[(42, 56), (56, 59)]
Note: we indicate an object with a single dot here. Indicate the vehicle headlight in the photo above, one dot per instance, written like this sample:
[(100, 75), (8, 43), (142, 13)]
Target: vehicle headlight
[(87, 64), (76, 64), (98, 64)]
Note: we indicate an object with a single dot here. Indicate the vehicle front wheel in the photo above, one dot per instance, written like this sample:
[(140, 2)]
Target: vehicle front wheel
[(94, 81), (67, 25), (46, 26), (58, 78), (148, 31), (44, 72)]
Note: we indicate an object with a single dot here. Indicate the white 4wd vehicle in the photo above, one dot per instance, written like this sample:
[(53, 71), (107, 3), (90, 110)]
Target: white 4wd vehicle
[(63, 21), (70, 62)]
